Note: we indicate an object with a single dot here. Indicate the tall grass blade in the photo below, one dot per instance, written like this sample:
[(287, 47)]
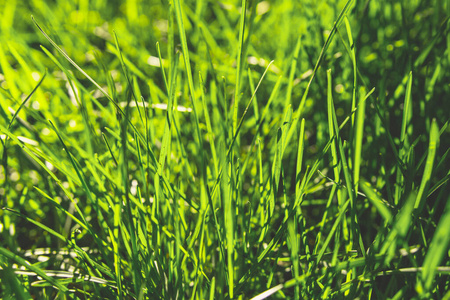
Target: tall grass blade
[(360, 117), (336, 24), (239, 65), (292, 72), (425, 183), (407, 115), (187, 63)]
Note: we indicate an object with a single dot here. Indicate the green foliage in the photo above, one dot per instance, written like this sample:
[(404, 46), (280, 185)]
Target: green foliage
[(234, 149)]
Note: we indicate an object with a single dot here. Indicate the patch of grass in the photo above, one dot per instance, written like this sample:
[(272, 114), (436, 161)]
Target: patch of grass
[(222, 150)]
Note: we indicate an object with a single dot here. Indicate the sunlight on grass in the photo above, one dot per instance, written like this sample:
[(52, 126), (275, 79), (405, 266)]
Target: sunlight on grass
[(224, 150)]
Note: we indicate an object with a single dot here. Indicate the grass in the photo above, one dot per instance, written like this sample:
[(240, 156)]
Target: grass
[(224, 150)]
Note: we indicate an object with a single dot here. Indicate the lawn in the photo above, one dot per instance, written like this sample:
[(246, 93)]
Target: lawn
[(224, 149)]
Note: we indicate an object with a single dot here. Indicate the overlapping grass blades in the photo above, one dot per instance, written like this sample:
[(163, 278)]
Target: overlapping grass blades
[(154, 182)]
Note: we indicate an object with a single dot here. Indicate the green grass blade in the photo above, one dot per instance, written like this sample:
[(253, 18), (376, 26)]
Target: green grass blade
[(300, 150), (316, 67), (342, 212), (85, 186), (294, 247), (236, 133), (29, 152), (292, 72), (209, 129), (22, 262), (101, 90), (14, 286), (228, 218), (407, 115), (376, 201), (261, 208), (360, 117), (277, 167), (71, 243), (436, 252), (162, 67), (400, 228), (239, 65), (71, 61), (261, 120), (333, 135), (166, 141), (187, 63), (425, 183), (281, 138), (186, 178), (230, 147), (58, 205), (353, 58), (355, 229), (110, 150), (74, 164), (26, 100)]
